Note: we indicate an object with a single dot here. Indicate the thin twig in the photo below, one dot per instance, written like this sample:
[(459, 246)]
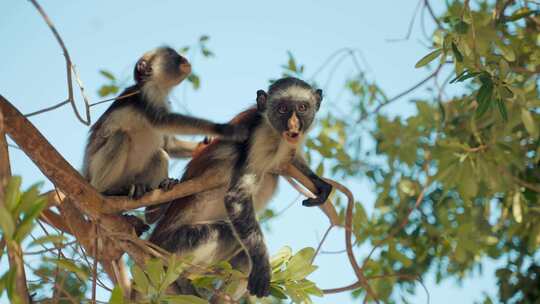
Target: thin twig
[(401, 225), (115, 98), (69, 65), (432, 13), (398, 96), (56, 106), (326, 233), (411, 24)]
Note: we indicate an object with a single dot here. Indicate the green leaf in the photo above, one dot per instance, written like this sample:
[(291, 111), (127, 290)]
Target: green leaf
[(195, 81), (277, 291), (141, 281), (6, 223), (521, 13), (117, 296), (183, 299), (516, 207), (13, 193), (457, 53), (184, 50), (483, 97), (528, 122), (507, 52), (52, 238), (26, 225), (107, 75), (108, 90), (283, 255), (502, 109), (206, 52), (29, 198), (154, 269), (70, 266), (428, 58), (204, 38)]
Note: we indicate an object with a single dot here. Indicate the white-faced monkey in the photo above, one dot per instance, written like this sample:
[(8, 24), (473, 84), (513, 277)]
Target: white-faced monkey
[(221, 224)]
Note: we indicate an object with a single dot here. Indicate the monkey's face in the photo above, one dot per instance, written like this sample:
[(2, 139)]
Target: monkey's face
[(163, 66), (290, 110)]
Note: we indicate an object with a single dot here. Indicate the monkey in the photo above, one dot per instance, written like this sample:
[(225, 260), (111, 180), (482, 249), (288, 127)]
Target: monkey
[(221, 224), (125, 152)]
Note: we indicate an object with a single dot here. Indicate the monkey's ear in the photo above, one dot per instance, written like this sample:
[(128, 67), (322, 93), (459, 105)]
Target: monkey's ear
[(142, 71), (261, 100), (319, 94)]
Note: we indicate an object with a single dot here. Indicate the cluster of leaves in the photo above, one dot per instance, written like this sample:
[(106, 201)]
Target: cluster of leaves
[(477, 154), (289, 281)]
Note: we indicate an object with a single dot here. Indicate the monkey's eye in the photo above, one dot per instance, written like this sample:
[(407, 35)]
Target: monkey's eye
[(302, 107), (282, 109)]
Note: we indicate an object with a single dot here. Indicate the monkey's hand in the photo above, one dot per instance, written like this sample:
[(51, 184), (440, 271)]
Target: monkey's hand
[(259, 278), (324, 192), (168, 183), (237, 133)]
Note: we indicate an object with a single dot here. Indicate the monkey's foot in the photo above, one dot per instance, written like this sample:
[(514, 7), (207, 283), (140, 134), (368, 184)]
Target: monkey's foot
[(136, 191), (259, 279), (138, 224), (168, 183)]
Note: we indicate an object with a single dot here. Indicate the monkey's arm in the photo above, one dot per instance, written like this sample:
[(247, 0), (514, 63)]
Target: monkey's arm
[(175, 123), (241, 213), (323, 188), (177, 148)]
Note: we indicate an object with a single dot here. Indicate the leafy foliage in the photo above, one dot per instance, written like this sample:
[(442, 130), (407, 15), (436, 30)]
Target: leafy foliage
[(476, 153)]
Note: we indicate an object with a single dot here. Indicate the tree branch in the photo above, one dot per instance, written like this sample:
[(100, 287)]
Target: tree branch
[(14, 250)]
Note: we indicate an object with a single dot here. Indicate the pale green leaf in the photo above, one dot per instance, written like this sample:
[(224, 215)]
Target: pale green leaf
[(428, 58), (117, 296)]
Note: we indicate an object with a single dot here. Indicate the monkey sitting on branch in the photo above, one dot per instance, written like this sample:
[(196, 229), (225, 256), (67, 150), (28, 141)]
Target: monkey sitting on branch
[(221, 224), (124, 154)]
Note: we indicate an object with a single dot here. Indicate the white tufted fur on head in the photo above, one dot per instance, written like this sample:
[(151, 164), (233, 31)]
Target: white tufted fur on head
[(294, 93)]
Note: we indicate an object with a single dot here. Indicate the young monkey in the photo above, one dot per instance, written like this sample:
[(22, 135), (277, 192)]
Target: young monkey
[(124, 154), (221, 224)]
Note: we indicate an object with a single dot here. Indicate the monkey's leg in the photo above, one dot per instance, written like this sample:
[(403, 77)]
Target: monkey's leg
[(206, 243), (324, 189), (241, 213), (107, 165)]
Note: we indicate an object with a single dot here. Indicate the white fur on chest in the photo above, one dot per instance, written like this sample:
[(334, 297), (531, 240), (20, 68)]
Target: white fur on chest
[(144, 140)]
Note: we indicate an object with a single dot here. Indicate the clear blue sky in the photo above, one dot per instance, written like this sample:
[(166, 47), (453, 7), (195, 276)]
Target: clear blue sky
[(250, 39)]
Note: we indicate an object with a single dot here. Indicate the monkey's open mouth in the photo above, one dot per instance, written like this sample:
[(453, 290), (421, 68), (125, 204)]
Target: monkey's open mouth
[(291, 137)]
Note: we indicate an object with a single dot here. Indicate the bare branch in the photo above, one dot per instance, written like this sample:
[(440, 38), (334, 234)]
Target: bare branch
[(398, 96), (69, 66), (411, 24), (432, 13)]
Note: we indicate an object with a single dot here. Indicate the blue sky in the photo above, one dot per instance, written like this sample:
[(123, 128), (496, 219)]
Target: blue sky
[(251, 40)]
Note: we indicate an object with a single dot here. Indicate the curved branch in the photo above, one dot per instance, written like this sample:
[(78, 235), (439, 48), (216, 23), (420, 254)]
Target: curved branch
[(69, 68)]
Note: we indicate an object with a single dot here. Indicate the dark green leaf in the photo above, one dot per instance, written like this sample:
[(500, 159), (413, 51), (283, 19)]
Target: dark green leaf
[(456, 52), (204, 38), (502, 109), (195, 81), (483, 97), (107, 75)]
